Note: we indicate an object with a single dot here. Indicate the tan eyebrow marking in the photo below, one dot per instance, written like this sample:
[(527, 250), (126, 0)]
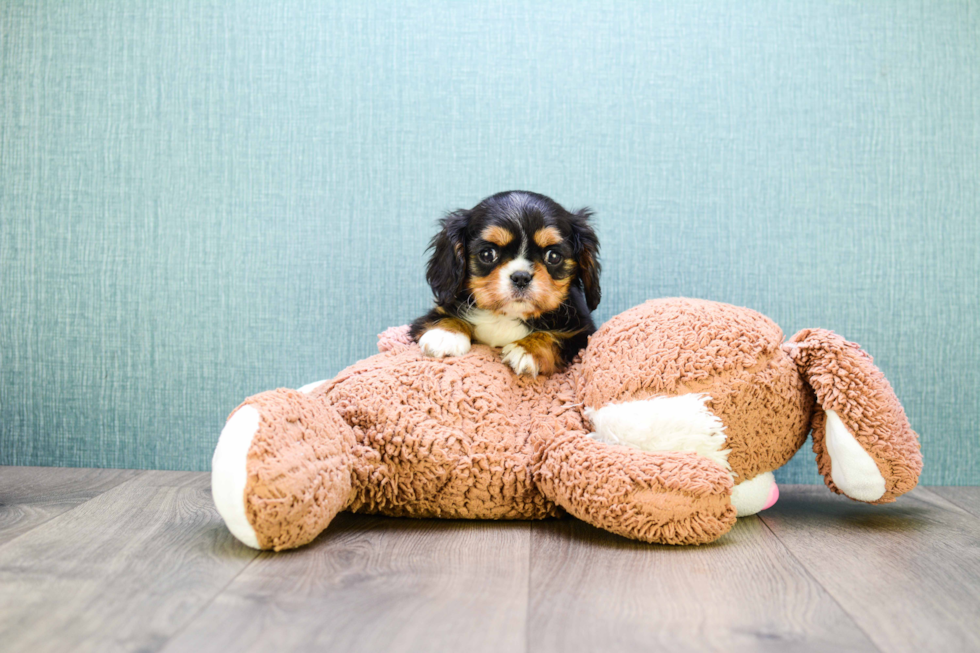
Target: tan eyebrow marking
[(547, 236), (497, 235)]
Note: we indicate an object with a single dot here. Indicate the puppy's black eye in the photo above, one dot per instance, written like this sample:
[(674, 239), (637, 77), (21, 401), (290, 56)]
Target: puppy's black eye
[(488, 255), (552, 257)]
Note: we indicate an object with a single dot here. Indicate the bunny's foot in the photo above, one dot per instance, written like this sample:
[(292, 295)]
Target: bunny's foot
[(282, 469)]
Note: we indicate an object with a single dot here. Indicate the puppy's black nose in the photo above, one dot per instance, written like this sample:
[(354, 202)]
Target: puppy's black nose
[(521, 279)]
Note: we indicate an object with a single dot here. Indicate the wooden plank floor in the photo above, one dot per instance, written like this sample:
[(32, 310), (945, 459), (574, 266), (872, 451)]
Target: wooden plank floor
[(111, 560)]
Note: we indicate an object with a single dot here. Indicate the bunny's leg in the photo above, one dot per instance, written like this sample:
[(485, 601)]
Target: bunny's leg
[(282, 469)]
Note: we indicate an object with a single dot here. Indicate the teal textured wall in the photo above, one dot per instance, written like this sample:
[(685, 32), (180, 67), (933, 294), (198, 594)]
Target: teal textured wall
[(203, 200)]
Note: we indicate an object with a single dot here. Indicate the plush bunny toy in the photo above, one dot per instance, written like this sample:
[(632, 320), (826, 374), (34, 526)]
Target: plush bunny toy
[(664, 429)]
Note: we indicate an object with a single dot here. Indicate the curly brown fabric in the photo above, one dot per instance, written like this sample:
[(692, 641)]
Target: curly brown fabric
[(671, 347), (846, 381), (298, 469), (669, 497), (403, 434)]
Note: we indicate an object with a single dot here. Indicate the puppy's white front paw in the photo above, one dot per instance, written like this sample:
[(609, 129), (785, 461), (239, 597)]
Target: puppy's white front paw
[(519, 360), (440, 343)]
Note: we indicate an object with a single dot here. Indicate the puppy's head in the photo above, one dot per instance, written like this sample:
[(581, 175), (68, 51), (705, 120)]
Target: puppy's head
[(518, 253)]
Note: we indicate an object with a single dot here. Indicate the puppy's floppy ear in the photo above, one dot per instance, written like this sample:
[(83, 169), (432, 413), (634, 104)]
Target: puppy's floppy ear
[(586, 247), (446, 271)]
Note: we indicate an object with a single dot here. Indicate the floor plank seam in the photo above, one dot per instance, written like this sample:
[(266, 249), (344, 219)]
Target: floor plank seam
[(68, 512), (204, 606), (972, 511), (826, 589)]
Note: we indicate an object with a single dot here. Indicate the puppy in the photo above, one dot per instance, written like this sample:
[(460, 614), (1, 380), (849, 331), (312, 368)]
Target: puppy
[(516, 271)]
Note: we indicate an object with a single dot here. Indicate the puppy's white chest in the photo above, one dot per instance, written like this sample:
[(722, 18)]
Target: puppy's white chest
[(495, 330)]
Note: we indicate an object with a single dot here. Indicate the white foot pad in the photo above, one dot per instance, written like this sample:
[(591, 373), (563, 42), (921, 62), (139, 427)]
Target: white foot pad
[(852, 469), (439, 343), (228, 473)]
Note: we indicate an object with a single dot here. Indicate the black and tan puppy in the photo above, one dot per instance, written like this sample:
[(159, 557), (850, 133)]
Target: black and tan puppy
[(516, 271)]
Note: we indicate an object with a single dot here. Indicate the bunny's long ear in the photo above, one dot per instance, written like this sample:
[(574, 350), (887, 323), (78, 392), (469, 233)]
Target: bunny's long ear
[(865, 447)]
